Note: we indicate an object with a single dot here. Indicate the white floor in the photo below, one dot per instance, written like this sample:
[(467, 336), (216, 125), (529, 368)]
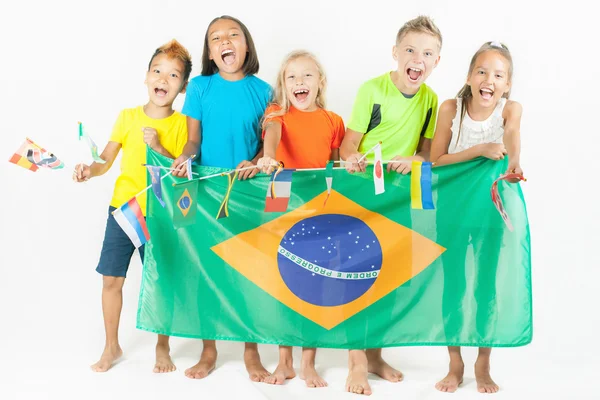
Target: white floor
[(50, 338), (51, 229), (43, 369)]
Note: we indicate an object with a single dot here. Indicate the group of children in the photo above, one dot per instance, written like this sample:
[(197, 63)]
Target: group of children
[(226, 109)]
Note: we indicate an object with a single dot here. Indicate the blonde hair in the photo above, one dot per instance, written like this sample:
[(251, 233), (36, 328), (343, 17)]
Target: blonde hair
[(280, 96), (175, 50), (421, 24), (465, 92)]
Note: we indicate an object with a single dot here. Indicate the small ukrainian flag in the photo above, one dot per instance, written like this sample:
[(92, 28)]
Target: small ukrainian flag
[(420, 186)]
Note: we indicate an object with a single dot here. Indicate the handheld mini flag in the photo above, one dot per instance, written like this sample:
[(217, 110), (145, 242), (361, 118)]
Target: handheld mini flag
[(188, 164), (156, 177), (93, 148), (20, 156), (378, 171), (31, 156), (42, 158), (421, 197), (497, 200), (278, 192), (184, 211), (328, 179), (130, 218), (273, 177)]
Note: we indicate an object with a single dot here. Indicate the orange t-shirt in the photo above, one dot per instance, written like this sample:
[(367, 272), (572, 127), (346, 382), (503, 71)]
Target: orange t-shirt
[(307, 138)]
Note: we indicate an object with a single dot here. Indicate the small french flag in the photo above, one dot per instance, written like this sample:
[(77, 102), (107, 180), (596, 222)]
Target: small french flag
[(130, 218), (279, 191)]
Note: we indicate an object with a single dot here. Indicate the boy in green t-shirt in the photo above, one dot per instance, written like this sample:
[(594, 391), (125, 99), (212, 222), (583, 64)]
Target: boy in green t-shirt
[(398, 110)]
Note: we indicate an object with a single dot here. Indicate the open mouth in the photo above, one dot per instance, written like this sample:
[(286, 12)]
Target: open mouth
[(228, 56), (160, 92), (486, 93), (301, 94), (414, 74)]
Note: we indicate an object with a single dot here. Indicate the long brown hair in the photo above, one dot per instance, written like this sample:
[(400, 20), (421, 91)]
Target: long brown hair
[(465, 92), (250, 66)]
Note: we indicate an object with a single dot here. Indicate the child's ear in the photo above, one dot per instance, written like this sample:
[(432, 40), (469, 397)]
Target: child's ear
[(507, 87), (435, 64), (394, 52), (182, 91)]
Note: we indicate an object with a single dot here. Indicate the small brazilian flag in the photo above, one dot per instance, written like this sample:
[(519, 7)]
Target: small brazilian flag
[(184, 209)]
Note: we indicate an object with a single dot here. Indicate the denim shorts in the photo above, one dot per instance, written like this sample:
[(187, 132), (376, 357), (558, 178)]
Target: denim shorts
[(117, 249)]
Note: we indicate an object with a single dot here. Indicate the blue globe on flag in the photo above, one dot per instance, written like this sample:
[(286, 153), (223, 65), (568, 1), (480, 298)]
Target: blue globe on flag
[(329, 259), (184, 202)]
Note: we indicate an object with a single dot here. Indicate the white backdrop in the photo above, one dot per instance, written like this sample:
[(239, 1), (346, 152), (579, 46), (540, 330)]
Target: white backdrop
[(64, 62)]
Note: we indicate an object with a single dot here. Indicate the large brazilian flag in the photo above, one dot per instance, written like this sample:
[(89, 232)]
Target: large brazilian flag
[(355, 271)]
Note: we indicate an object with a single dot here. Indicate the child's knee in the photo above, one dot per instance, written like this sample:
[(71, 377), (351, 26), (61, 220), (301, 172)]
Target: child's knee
[(112, 283)]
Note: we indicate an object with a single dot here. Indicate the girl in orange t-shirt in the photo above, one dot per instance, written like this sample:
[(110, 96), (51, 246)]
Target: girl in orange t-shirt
[(298, 131)]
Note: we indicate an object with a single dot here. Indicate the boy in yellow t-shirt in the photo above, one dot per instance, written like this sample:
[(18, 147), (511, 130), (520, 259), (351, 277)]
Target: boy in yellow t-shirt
[(157, 125)]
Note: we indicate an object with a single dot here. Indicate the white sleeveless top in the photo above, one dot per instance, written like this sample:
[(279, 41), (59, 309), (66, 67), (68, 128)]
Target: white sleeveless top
[(476, 132)]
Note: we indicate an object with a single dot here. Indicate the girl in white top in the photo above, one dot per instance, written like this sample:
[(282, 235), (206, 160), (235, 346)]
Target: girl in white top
[(480, 122)]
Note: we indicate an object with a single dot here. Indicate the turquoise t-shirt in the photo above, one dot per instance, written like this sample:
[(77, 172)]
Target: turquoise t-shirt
[(229, 113)]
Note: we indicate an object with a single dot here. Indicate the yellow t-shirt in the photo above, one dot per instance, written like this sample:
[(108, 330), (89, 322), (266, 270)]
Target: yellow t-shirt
[(172, 134)]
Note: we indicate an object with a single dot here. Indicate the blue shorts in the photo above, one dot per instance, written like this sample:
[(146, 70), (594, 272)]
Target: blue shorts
[(117, 249)]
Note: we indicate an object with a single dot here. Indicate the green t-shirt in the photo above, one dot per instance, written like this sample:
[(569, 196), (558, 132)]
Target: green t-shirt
[(385, 115)]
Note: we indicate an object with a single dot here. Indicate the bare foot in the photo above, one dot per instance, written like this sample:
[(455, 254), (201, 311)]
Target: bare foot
[(207, 363), (163, 360), (358, 381), (311, 377), (485, 384), (282, 372), (109, 356), (379, 367), (256, 371), (454, 378)]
